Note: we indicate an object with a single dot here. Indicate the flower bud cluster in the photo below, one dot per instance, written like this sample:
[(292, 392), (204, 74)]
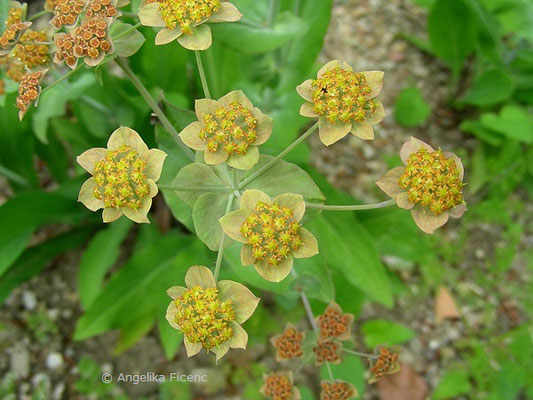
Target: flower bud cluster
[(29, 90), (386, 363), (121, 179), (203, 317), (272, 232), (333, 323), (337, 390), (342, 95), (90, 39), (67, 12), (233, 128), (432, 180), (289, 344), (187, 13), (101, 9), (327, 351), (278, 387), (32, 55)]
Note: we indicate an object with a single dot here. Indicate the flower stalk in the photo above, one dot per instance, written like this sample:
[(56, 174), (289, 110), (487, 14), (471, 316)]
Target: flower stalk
[(201, 71), (213, 189), (351, 207), (220, 254)]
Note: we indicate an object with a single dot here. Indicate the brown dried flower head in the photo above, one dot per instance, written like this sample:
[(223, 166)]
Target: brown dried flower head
[(124, 177), (334, 323), (271, 232), (32, 55), (210, 313), (328, 351), (29, 91), (92, 41), (65, 43), (430, 185), (288, 344), (185, 21), (387, 363), (67, 13), (280, 386), (337, 390), (344, 101), (228, 130)]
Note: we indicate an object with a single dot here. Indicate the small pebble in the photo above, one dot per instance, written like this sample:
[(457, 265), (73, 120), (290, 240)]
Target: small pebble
[(54, 361), (29, 300)]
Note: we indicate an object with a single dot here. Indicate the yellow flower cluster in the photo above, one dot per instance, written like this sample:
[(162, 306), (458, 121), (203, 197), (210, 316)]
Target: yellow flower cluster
[(90, 39), (336, 391), (101, 9), (203, 318), (272, 232), (28, 89), (121, 179), (386, 363), (432, 180), (32, 55), (278, 387), (234, 128), (65, 52), (341, 95), (66, 12), (187, 13), (14, 16)]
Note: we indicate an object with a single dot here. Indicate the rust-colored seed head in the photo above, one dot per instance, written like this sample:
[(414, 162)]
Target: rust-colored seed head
[(333, 323), (32, 55), (204, 317), (67, 12), (278, 387), (232, 128), (386, 363), (121, 179), (187, 13), (337, 391), (101, 9), (28, 90), (11, 33), (66, 50), (327, 351), (89, 39), (289, 344), (2, 87), (342, 95), (432, 180), (272, 232)]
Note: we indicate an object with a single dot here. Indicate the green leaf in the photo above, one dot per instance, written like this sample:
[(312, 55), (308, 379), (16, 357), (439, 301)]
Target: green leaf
[(132, 333), (101, 253), (4, 10), (285, 177), (452, 32), (453, 383), (126, 39), (196, 175), (170, 338), (207, 210), (481, 132), (258, 39), (381, 332), (513, 122), (410, 108), (350, 370), (355, 256), (138, 287), (492, 87)]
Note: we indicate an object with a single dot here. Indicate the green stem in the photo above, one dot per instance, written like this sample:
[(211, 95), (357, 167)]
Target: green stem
[(124, 33), (202, 74), (37, 15), (356, 353), (37, 43), (66, 76), (13, 176), (268, 165), (272, 12), (154, 106), (352, 207), (330, 373), (214, 189), (221, 247)]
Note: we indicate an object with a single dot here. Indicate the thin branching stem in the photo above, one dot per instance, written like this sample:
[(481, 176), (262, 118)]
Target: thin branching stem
[(271, 163), (201, 71), (214, 189), (64, 77), (351, 207), (154, 106), (37, 15), (357, 353), (125, 32), (220, 254), (14, 176)]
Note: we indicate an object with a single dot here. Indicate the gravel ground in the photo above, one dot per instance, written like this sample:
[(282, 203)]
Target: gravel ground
[(39, 317)]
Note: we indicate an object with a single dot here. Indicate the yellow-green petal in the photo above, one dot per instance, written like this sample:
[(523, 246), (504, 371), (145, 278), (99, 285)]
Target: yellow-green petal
[(217, 157), (198, 275), (199, 39), (166, 35), (363, 130), (244, 161), (154, 163), (412, 146), (277, 273), (331, 133), (126, 136), (244, 302), (111, 214), (175, 292), (251, 197), (389, 182), (90, 157), (374, 79), (191, 348), (306, 110), (151, 16), (426, 220), (309, 246), (305, 90), (86, 196), (247, 257), (170, 316), (226, 13), (293, 201), (191, 136), (236, 96), (231, 224)]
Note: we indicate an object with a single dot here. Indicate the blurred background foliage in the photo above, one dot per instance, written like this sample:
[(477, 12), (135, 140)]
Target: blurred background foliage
[(125, 269)]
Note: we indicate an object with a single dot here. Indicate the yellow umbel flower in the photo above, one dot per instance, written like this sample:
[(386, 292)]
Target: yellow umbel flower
[(271, 232), (280, 386), (124, 177), (344, 101), (430, 184), (210, 313), (229, 129), (32, 55), (186, 20)]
